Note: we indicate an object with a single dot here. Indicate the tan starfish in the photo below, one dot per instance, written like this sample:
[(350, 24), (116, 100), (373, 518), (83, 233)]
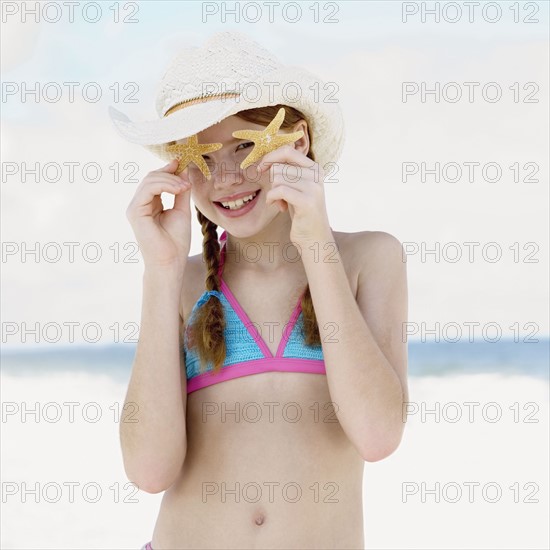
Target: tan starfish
[(192, 151), (266, 140)]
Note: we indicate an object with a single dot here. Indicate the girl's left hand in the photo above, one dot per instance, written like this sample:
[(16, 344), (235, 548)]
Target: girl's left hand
[(297, 184)]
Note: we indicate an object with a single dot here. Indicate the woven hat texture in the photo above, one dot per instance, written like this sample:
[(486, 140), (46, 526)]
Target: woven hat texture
[(232, 63)]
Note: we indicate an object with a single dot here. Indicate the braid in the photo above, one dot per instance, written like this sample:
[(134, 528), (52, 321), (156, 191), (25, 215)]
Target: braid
[(207, 331), (264, 115), (311, 329)]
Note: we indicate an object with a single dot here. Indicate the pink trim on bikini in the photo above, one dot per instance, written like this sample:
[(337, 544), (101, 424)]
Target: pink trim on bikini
[(245, 320), (289, 327), (268, 363), (256, 366)]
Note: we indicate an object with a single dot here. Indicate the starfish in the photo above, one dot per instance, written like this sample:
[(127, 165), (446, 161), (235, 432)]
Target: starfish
[(192, 151), (266, 140)]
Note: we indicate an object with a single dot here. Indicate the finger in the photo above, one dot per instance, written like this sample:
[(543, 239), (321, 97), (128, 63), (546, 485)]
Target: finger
[(169, 168), (280, 204), (168, 177), (285, 154), (287, 194), (184, 177), (182, 200), (163, 176), (289, 174), (154, 189)]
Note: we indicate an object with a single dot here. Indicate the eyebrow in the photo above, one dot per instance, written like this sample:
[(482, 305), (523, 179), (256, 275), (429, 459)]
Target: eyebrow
[(232, 140), (228, 142)]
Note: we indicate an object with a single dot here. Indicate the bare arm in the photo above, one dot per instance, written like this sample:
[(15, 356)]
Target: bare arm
[(153, 440), (366, 361)]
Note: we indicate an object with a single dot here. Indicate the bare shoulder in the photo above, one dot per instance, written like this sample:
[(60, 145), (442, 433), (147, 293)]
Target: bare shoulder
[(365, 251), (361, 240)]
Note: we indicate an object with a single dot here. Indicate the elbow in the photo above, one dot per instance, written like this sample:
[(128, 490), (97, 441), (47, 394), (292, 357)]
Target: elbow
[(151, 475), (150, 481), (382, 441), (374, 455), (151, 486), (382, 449)]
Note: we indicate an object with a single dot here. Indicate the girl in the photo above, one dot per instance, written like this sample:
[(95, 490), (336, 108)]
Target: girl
[(270, 367)]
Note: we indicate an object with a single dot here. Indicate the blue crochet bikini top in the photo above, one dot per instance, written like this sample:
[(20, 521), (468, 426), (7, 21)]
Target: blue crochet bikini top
[(246, 351)]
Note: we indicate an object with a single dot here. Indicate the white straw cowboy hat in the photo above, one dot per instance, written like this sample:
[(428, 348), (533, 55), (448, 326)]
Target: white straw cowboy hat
[(232, 73)]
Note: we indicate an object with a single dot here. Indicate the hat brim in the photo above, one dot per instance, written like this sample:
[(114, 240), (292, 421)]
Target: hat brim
[(324, 118)]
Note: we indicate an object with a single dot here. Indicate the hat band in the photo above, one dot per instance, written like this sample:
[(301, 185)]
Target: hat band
[(188, 102)]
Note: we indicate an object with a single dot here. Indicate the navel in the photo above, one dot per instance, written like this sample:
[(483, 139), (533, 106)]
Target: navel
[(259, 519)]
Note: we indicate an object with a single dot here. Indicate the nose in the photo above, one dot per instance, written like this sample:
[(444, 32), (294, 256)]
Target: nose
[(228, 173)]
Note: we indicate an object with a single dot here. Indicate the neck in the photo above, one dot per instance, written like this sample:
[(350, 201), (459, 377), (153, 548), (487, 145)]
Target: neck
[(265, 251)]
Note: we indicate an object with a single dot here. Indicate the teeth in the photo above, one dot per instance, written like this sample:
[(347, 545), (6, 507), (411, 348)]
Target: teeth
[(235, 205)]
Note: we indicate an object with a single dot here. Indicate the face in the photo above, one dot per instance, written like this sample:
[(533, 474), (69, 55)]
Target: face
[(229, 182)]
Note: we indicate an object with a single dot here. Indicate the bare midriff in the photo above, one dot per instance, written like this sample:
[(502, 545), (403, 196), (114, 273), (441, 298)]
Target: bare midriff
[(267, 466)]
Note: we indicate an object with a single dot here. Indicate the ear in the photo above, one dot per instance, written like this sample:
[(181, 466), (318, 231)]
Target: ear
[(302, 144)]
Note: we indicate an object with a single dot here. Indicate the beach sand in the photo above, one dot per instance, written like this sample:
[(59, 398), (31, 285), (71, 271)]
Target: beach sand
[(399, 509)]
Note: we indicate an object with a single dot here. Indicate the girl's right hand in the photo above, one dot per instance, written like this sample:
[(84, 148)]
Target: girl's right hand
[(163, 236)]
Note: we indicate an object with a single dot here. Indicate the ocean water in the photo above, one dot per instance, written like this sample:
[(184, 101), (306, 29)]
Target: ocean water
[(425, 359), (498, 449)]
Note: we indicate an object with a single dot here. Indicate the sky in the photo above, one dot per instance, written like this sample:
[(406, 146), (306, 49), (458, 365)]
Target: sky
[(369, 51)]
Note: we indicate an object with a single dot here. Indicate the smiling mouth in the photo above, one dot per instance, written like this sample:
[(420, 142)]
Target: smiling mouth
[(239, 203)]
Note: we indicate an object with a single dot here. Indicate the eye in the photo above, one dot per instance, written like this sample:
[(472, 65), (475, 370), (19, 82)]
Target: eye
[(247, 144)]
